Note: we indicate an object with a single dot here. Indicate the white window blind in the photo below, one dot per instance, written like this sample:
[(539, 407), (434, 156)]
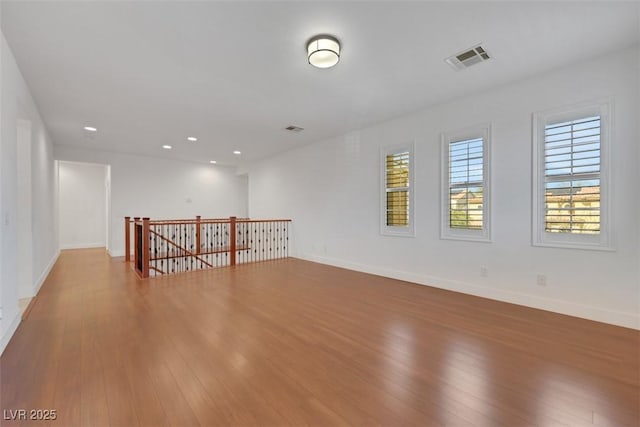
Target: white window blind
[(466, 184), (572, 201), (397, 185), (572, 176), (397, 191)]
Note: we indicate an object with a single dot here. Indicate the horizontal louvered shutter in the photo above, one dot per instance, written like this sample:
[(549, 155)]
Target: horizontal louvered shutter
[(397, 189), (572, 176), (466, 184)]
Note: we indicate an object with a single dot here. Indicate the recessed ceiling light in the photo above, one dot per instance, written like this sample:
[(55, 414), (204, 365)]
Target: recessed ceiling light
[(90, 129), (192, 138), (213, 162), (167, 147), (237, 152)]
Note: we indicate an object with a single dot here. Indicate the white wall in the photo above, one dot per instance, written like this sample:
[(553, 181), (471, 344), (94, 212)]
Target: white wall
[(331, 191), (163, 189), (82, 205), (25, 216), (17, 106)]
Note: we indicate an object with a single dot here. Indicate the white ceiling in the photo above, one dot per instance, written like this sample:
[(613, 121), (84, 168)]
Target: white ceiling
[(234, 74)]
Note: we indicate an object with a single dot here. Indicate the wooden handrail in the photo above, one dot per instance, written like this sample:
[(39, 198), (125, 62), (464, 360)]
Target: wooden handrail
[(263, 220), (186, 251), (219, 250), (205, 221), (209, 221)]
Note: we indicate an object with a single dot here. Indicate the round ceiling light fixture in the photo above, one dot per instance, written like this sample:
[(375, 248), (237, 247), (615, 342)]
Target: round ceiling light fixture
[(323, 51)]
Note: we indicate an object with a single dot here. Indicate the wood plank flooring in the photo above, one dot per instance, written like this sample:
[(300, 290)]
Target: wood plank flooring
[(291, 342)]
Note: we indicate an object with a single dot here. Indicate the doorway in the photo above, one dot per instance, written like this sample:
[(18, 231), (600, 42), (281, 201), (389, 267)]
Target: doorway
[(84, 204)]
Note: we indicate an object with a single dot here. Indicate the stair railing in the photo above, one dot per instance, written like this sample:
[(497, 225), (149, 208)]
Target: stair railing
[(179, 245)]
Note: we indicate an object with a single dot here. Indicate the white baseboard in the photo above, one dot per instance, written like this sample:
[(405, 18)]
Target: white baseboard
[(35, 289), (38, 284), (6, 337), (114, 254), (628, 320), (83, 245)]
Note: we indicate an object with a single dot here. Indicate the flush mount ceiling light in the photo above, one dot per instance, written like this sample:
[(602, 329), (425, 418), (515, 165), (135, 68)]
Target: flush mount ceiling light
[(323, 51), (237, 152), (213, 162), (192, 138), (167, 147), (90, 129)]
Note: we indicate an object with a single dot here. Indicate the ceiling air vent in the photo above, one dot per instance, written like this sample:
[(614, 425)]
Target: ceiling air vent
[(467, 58), (293, 128)]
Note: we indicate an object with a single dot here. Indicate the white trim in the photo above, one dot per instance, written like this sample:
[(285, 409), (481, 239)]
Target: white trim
[(410, 230), (618, 318), (604, 240), (38, 284), (73, 162), (6, 337), (83, 245), (446, 232), (115, 254)]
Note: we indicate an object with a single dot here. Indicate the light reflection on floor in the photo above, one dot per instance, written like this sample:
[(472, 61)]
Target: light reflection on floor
[(563, 396), (400, 344), (465, 389)]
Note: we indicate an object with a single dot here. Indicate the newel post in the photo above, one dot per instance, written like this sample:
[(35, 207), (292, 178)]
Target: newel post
[(136, 246), (127, 238), (145, 247), (232, 240), (198, 241)]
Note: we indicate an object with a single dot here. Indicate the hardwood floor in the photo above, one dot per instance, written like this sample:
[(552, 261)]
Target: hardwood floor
[(291, 342)]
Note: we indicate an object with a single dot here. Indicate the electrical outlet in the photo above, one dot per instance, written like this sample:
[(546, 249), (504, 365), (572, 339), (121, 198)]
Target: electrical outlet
[(484, 272), (541, 280)]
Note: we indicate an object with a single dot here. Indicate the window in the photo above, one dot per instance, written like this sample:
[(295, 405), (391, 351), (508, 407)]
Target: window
[(571, 177), (397, 183), (465, 179)]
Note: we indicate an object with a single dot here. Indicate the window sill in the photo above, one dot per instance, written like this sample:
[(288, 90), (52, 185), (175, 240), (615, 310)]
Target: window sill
[(480, 239), (579, 246), (392, 233)]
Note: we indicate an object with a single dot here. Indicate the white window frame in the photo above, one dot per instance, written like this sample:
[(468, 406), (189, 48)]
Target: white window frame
[(603, 240), (446, 231), (388, 230)]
